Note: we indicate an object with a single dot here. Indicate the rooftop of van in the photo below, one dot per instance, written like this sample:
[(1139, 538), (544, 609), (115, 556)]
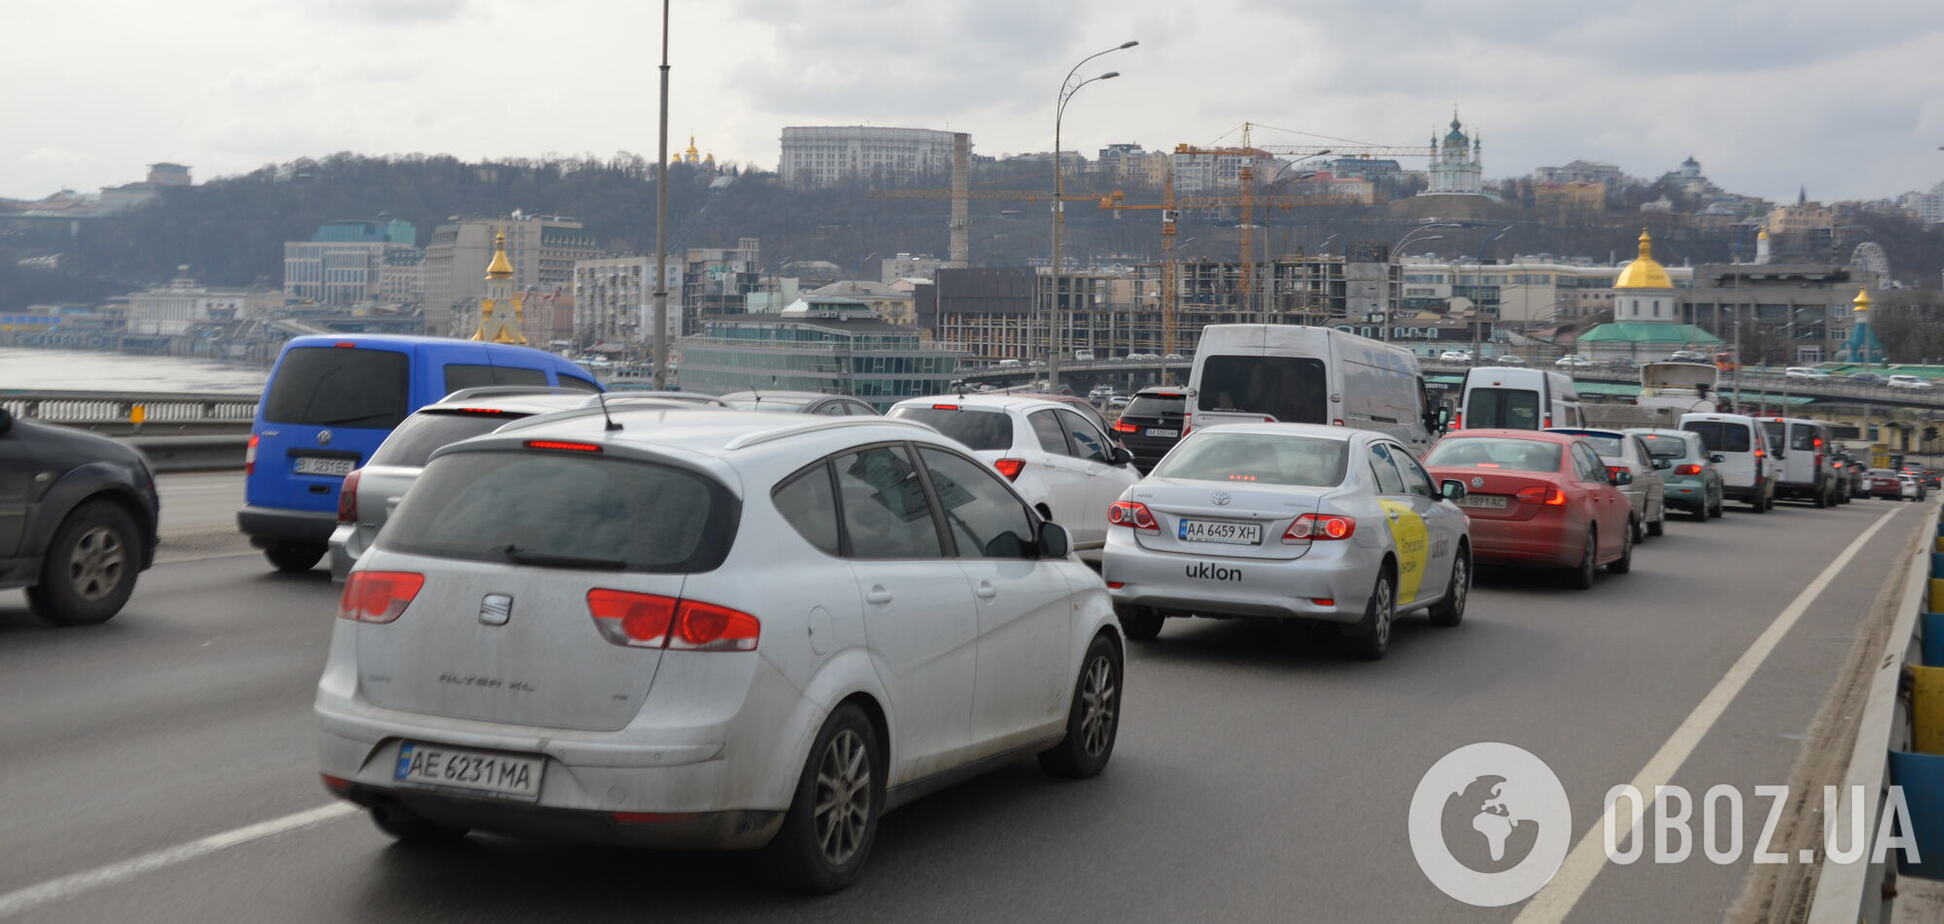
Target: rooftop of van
[(401, 340)]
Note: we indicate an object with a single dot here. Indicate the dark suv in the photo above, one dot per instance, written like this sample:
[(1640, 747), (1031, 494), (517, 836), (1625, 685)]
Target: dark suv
[(77, 520), (1152, 423)]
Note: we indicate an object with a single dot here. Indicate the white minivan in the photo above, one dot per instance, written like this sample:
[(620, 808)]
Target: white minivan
[(1518, 399), (1252, 373), (1800, 449), (1741, 455)]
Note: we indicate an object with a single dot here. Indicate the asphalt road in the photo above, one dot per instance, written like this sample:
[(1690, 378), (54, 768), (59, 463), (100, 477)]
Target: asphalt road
[(1250, 783)]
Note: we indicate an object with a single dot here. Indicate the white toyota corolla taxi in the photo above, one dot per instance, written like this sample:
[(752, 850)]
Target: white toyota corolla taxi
[(1289, 522), (708, 629)]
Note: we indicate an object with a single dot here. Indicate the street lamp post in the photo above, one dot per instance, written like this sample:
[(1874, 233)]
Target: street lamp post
[(1054, 315), (661, 225), (1268, 298)]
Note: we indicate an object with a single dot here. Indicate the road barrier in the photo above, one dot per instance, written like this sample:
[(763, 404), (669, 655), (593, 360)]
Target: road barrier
[(175, 413), (204, 453)]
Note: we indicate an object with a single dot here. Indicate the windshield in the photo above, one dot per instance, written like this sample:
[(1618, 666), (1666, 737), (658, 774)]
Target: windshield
[(541, 507), (1289, 389), (1502, 408), (785, 405), (1665, 447), (1496, 452), (423, 433), (977, 429), (1303, 461), (1720, 436), (339, 387), (1803, 437), (1157, 405)]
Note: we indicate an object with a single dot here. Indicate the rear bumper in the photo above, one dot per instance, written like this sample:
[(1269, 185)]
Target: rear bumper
[(265, 525), (743, 830), (1247, 587), (1523, 542), (348, 543)]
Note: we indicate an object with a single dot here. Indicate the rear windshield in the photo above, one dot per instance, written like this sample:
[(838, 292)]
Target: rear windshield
[(1719, 435), (1803, 438), (339, 387), (765, 404), (415, 439), (565, 509), (1502, 408), (474, 375), (1665, 447), (977, 429), (1604, 445), (1252, 457), (1287, 388), (1170, 405), (1773, 430), (1495, 452)]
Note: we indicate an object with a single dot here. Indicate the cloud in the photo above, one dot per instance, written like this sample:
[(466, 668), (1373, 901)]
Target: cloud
[(395, 12)]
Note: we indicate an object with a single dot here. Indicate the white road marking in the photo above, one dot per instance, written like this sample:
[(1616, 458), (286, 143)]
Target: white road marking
[(1588, 857), (24, 900)]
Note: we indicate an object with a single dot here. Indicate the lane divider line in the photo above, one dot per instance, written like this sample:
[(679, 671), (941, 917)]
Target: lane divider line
[(24, 900), (1588, 857)]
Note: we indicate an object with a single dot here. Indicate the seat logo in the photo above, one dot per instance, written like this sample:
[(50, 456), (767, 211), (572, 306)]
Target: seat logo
[(1221, 498), (495, 610)]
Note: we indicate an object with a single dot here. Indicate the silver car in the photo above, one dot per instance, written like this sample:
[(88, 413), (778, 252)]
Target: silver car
[(1289, 522), (1648, 492)]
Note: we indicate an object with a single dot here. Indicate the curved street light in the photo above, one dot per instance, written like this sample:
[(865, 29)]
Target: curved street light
[(1053, 314)]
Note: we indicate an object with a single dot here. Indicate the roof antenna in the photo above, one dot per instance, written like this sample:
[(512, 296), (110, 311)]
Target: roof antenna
[(601, 397)]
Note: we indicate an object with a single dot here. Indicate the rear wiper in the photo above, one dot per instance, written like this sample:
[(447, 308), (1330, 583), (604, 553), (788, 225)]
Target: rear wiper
[(520, 556)]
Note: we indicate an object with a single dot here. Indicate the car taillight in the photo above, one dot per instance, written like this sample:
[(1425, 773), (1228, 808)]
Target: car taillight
[(1010, 468), (378, 596), (249, 455), (1613, 471), (1819, 459), (348, 497), (1548, 421), (1687, 469), (1458, 421), (1337, 422), (1542, 494), (635, 620), (1760, 453), (1122, 426), (1319, 526), (1134, 515)]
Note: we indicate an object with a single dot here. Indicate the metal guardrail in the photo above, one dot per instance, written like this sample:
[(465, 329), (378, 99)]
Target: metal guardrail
[(115, 411)]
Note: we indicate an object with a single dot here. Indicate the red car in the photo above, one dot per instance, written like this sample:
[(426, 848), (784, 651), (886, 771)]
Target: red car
[(1538, 498)]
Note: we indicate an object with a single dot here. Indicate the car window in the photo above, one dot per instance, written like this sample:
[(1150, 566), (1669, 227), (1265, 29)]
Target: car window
[(1720, 435), (1506, 453), (1388, 480), (1088, 443), (1772, 433), (473, 375), (1170, 404), (576, 383), (1640, 452), (1303, 461), (809, 504), (885, 512), (985, 518), (421, 434), (1662, 446), (339, 387), (832, 409), (979, 430), (1803, 437), (1052, 436), (1591, 468), (1290, 389), (1508, 408), (1416, 480)]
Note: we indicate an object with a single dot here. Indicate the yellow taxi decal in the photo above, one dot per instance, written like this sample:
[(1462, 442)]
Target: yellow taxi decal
[(1412, 540)]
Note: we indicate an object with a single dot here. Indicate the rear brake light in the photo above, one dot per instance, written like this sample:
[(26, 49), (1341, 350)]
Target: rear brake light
[(1548, 421), (1134, 515), (378, 596), (249, 455), (1338, 422), (707, 627), (1760, 453), (345, 345), (945, 407), (635, 620), (1010, 468), (1319, 526), (1458, 421), (1122, 426), (483, 411), (563, 445), (1542, 494), (1613, 471), (1687, 469), (348, 497)]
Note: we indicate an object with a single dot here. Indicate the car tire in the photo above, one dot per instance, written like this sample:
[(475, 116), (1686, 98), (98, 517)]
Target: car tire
[(1581, 577), (294, 557), (1093, 716), (1716, 511), (1637, 529), (90, 566), (1821, 499), (409, 829), (824, 855), (1624, 563), (1370, 637), (1451, 610), (1139, 623), (1659, 526), (1758, 504)]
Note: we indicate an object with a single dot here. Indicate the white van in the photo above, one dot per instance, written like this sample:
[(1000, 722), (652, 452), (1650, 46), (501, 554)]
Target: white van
[(1278, 372), (1518, 399), (1741, 455), (1800, 448)]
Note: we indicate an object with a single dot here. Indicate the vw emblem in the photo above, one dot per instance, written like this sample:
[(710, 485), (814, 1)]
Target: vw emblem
[(1221, 498), (1478, 481), (323, 437)]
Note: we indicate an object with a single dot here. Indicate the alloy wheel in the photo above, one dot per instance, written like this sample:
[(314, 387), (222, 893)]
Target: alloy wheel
[(1381, 599), (843, 807), (96, 564), (1097, 693)]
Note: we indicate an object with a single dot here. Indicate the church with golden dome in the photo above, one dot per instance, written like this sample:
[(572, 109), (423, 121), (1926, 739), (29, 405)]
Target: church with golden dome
[(502, 311), (1646, 324)]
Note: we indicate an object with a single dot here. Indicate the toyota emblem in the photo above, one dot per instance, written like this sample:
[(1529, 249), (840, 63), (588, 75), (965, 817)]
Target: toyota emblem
[(323, 437), (1221, 498), (1478, 481)]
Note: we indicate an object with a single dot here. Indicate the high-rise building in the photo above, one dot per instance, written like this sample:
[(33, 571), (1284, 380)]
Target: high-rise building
[(349, 262), (821, 155), (541, 248), (614, 300)]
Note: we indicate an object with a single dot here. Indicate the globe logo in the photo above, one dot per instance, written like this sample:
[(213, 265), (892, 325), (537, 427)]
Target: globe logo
[(1490, 824)]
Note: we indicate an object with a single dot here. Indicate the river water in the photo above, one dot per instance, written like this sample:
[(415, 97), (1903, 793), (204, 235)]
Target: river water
[(24, 368)]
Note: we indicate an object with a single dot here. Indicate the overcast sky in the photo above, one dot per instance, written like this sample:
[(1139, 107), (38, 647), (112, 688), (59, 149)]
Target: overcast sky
[(1846, 98)]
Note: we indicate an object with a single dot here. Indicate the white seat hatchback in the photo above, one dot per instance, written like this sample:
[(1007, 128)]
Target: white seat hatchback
[(708, 629)]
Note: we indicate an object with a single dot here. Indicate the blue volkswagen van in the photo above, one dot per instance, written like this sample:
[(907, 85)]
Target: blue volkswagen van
[(331, 399)]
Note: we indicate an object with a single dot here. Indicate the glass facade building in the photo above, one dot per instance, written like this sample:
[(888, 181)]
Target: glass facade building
[(834, 346)]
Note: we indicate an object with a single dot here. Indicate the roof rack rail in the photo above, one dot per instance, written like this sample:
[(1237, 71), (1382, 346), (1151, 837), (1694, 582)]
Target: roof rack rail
[(813, 426), (481, 391)]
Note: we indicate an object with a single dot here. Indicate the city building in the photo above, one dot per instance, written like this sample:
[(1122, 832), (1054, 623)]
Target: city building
[(1581, 171), (1457, 169), (173, 309), (908, 266), (352, 262), (1647, 324), (822, 155), (892, 305), (614, 300), (541, 248), (1862, 345), (831, 345), (1522, 291), (1927, 207), (167, 174), (718, 280), (1200, 174), (1783, 313)]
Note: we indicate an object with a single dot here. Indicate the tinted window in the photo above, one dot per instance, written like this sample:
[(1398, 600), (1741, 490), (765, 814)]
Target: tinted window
[(885, 513), (1665, 447), (415, 440), (978, 429), (1803, 438), (1087, 442), (1507, 408), (832, 409), (1416, 480), (1719, 435), (1287, 388), (1293, 460), (1051, 436), (1590, 466), (1772, 429), (577, 383), (1495, 452), (470, 375), (809, 504), (1604, 445), (335, 387), (1388, 480), (581, 510), (986, 519), (1157, 405)]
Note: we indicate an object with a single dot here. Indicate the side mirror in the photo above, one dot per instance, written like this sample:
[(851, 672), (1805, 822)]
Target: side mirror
[(1717, 458), (1453, 489), (6, 421), (1663, 462), (1621, 479), (1444, 417), (1122, 456), (1053, 540)]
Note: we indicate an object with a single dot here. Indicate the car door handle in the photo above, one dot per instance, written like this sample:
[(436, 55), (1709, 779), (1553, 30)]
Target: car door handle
[(878, 595), (985, 590)]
